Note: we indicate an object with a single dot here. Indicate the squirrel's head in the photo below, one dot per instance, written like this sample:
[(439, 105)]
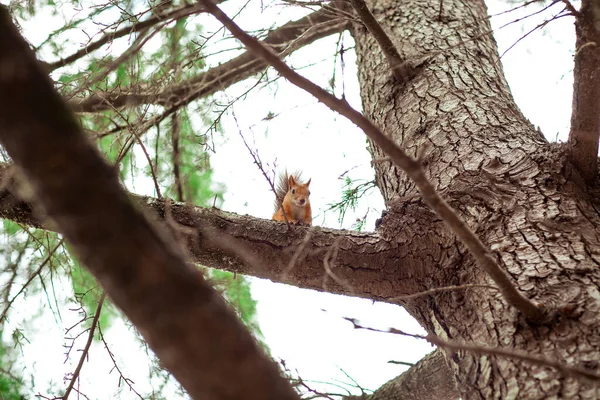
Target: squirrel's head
[(298, 192)]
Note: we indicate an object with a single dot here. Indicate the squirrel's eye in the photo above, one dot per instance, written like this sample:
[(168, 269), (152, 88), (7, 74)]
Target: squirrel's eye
[(309, 192), (293, 191)]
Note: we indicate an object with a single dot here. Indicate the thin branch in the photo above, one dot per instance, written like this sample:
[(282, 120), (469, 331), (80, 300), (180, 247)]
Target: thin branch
[(128, 145), (122, 377), (259, 165), (400, 68), (173, 15), (495, 351), (136, 46), (538, 26), (408, 164), (441, 290), (86, 349), (31, 278), (286, 39)]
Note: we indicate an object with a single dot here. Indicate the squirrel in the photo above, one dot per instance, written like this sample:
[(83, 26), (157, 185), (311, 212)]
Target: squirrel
[(292, 197)]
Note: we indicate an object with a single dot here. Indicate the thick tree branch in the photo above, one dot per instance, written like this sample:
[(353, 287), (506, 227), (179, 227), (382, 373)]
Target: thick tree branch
[(411, 166), (368, 262), (285, 40), (585, 117), (429, 379), (186, 323), (171, 15)]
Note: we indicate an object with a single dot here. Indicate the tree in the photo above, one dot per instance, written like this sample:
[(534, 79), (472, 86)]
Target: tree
[(512, 263)]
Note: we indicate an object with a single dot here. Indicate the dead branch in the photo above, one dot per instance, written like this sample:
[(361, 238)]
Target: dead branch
[(122, 377), (86, 349), (453, 346), (585, 116), (401, 159), (285, 39), (189, 326)]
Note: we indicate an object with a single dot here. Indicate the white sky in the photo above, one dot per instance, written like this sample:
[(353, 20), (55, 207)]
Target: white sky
[(306, 328)]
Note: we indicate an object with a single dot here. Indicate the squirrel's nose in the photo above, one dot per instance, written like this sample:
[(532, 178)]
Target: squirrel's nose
[(302, 201)]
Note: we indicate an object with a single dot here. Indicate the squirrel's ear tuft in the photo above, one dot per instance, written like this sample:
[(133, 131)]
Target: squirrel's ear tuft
[(308, 182), (291, 181)]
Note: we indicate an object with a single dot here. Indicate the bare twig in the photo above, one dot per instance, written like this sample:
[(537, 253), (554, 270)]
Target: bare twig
[(128, 145), (538, 26), (400, 68), (496, 351), (258, 163), (441, 290), (286, 39), (181, 12), (409, 165), (86, 349), (122, 377), (132, 50), (31, 278)]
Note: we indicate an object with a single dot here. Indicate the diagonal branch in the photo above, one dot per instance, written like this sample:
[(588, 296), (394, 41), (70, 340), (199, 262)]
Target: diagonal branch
[(86, 349), (585, 117), (172, 15), (189, 326), (400, 68), (411, 166), (285, 39)]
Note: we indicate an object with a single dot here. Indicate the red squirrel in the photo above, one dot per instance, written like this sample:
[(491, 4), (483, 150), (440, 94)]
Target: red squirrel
[(295, 203)]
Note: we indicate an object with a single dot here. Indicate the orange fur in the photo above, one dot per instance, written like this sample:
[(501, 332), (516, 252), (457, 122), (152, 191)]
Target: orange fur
[(296, 202)]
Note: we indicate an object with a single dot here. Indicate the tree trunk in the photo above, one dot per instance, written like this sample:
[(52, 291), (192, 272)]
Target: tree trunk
[(512, 187)]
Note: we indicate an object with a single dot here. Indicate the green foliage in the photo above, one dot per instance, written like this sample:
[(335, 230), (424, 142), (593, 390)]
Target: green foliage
[(352, 192), (120, 134), (11, 385)]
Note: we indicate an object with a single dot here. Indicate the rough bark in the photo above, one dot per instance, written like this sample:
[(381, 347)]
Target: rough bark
[(368, 263), (189, 326), (429, 379), (585, 119), (518, 192)]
